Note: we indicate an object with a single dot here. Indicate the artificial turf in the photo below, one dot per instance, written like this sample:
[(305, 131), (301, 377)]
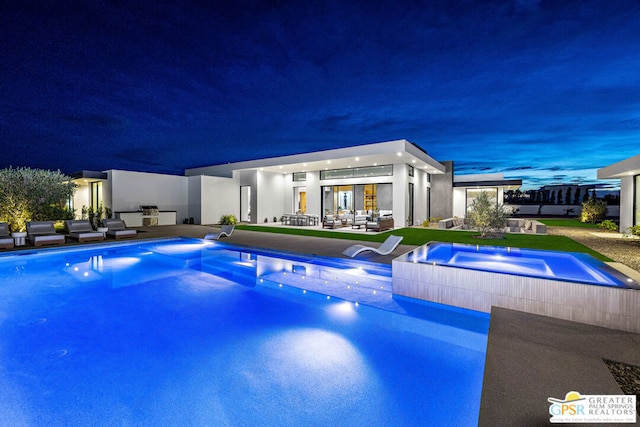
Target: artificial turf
[(418, 236)]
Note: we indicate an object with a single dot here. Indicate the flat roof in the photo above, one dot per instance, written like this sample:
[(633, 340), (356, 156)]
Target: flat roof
[(380, 153), (627, 167)]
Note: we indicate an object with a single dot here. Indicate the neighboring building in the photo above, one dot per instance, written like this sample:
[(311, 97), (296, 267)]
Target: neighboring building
[(394, 177), (628, 171)]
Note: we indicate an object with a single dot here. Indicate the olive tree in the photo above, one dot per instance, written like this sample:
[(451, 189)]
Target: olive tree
[(33, 195), (487, 216)]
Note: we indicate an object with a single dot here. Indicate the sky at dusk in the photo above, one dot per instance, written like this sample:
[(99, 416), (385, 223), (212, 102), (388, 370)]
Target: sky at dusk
[(545, 91)]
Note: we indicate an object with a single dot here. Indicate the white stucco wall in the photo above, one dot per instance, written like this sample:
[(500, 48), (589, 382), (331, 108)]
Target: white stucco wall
[(626, 202), (131, 189), (80, 199), (213, 197), (271, 198)]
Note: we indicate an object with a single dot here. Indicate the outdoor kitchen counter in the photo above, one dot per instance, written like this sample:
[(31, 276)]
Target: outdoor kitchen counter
[(134, 218)]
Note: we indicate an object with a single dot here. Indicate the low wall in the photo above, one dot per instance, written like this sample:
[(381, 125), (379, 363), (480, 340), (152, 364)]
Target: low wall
[(609, 307), (570, 211)]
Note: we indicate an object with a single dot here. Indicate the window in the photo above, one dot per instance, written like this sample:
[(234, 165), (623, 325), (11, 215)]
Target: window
[(411, 170), (367, 171), (299, 176), (472, 193)]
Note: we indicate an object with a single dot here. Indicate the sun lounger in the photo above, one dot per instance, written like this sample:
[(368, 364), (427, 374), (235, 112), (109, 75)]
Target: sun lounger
[(81, 230), (6, 241), (385, 248), (43, 233), (225, 231), (118, 229)]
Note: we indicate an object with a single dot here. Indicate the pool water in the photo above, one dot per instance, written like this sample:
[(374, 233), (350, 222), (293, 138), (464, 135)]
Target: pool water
[(186, 332), (564, 266)]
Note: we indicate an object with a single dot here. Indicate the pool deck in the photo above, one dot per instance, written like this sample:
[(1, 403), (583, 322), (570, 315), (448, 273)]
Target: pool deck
[(529, 357)]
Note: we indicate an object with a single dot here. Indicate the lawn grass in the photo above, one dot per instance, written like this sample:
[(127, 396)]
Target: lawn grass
[(419, 236), (567, 223)]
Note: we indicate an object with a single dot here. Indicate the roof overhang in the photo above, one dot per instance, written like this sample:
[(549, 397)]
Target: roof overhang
[(507, 184), (88, 175), (627, 167), (381, 153)]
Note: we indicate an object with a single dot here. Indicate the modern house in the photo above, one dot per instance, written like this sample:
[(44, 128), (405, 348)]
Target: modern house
[(628, 172), (396, 178)]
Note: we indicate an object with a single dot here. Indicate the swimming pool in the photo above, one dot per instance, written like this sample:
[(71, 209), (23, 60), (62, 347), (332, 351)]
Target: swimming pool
[(566, 266), (186, 332)]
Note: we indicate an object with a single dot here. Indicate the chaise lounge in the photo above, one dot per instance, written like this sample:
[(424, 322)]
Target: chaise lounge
[(225, 231), (6, 241), (385, 248), (41, 233), (118, 229), (81, 230)]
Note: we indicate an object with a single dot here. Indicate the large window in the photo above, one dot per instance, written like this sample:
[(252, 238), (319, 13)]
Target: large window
[(356, 198), (472, 193), (367, 171)]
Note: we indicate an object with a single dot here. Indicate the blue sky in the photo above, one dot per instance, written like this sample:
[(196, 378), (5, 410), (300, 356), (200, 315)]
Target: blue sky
[(546, 91)]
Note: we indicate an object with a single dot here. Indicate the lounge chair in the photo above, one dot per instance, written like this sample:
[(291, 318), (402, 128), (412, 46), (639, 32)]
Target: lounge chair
[(385, 248), (41, 233), (6, 241), (81, 230), (118, 229), (330, 221), (225, 231)]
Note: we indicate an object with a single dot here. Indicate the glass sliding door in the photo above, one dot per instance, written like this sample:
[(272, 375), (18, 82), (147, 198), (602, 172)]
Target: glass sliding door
[(245, 203)]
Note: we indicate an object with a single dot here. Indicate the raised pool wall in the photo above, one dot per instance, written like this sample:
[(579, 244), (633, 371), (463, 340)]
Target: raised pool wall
[(610, 307)]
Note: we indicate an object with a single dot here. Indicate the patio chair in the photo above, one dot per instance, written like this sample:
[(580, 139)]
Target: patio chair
[(6, 241), (118, 229), (225, 231), (385, 248), (41, 233), (81, 230), (330, 221)]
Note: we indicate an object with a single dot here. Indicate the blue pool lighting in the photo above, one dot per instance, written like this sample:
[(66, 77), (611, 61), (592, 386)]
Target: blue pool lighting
[(186, 332)]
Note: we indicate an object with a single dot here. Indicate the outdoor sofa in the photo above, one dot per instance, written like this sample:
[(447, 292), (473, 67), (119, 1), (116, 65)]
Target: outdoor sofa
[(118, 229), (6, 241), (81, 230), (41, 233)]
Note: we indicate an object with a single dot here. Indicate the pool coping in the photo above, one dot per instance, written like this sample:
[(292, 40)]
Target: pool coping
[(531, 358)]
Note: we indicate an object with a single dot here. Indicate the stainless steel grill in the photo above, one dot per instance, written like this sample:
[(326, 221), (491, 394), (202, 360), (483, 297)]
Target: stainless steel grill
[(150, 215)]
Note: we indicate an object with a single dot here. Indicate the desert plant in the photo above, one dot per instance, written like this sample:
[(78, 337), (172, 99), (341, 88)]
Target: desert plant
[(635, 230), (608, 225), (228, 219), (33, 195), (593, 210), (487, 216)]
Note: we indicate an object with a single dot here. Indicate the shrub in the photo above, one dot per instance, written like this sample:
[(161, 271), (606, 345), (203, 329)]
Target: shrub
[(635, 230), (228, 219), (608, 225), (593, 211)]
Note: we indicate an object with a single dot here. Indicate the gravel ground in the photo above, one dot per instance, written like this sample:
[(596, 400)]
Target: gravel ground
[(623, 250)]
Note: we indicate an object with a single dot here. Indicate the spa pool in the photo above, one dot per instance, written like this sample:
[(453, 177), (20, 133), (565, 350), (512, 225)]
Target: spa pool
[(188, 333), (565, 266)]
